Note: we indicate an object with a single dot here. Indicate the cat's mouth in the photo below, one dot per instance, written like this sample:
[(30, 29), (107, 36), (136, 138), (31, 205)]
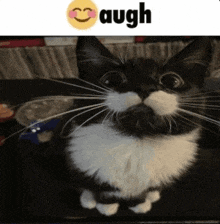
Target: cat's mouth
[(140, 108), (140, 120)]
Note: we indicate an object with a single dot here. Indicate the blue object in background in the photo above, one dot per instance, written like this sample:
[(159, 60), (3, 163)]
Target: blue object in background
[(37, 128)]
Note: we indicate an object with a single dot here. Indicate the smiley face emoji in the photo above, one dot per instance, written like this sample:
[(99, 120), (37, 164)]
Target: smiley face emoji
[(82, 14)]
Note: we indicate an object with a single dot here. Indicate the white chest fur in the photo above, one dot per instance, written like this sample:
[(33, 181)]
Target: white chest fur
[(130, 164)]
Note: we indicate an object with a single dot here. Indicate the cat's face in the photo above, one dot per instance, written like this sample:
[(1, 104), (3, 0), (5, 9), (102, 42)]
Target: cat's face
[(142, 97)]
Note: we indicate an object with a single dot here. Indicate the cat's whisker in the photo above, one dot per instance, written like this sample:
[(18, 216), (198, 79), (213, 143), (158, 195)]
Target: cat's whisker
[(212, 104), (201, 94), (89, 98), (171, 117), (195, 105), (199, 97), (169, 122), (207, 108), (190, 121), (75, 85), (108, 89), (112, 115), (74, 110), (213, 107), (199, 125), (214, 117), (60, 97), (200, 116), (86, 111), (88, 120), (15, 133), (106, 117), (43, 99), (117, 118), (201, 101), (51, 98), (49, 118), (68, 97)]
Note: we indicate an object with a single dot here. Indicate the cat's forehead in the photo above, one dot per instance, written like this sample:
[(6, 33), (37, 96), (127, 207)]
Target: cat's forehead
[(140, 67), (142, 63)]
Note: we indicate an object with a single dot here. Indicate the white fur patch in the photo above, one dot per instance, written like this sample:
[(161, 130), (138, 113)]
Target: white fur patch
[(87, 200), (121, 101), (143, 207), (107, 209), (152, 197), (130, 164), (162, 103)]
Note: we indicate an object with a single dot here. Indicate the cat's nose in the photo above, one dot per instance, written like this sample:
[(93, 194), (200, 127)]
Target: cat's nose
[(143, 95), (144, 91)]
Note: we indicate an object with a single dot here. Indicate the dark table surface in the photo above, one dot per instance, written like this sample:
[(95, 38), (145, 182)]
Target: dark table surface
[(34, 188)]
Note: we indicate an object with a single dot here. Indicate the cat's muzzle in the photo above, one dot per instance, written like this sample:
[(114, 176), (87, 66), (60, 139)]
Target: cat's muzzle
[(139, 120)]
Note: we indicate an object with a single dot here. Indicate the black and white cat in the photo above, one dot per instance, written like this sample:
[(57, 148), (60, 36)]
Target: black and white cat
[(138, 127)]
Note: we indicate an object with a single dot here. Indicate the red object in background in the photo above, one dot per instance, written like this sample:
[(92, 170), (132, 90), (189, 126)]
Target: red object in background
[(2, 138), (22, 43), (7, 118), (140, 39), (154, 39)]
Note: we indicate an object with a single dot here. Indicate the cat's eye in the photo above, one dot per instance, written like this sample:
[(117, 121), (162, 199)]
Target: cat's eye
[(171, 80), (113, 79)]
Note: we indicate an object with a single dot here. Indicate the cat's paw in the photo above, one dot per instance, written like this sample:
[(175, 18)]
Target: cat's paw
[(107, 209), (152, 197), (143, 207), (87, 200)]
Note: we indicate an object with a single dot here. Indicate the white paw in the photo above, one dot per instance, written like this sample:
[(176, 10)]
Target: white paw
[(143, 207), (107, 209), (87, 200), (152, 196)]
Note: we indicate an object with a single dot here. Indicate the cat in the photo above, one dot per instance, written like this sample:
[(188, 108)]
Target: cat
[(138, 127)]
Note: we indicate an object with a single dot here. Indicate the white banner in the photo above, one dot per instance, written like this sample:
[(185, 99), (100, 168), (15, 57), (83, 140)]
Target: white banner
[(109, 18)]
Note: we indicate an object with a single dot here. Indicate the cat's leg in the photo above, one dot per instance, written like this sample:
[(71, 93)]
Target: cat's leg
[(152, 197), (87, 200), (107, 209)]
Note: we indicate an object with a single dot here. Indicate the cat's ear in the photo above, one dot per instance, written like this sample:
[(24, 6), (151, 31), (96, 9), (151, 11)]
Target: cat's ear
[(193, 61), (93, 58), (198, 52)]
